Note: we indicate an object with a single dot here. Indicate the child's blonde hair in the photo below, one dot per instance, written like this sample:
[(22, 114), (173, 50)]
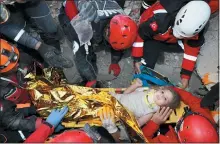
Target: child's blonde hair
[(175, 102)]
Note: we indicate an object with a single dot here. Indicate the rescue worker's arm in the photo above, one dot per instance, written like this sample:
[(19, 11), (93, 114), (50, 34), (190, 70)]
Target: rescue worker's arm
[(144, 119), (153, 125), (41, 134), (138, 83), (47, 128), (191, 51), (147, 29), (194, 103), (189, 60), (14, 120), (107, 117), (145, 32)]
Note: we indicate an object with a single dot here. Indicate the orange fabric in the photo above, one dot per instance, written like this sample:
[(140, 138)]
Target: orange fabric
[(214, 5), (23, 105), (71, 9)]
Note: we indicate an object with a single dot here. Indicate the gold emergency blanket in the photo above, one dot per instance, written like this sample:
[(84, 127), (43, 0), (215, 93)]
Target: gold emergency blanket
[(50, 91)]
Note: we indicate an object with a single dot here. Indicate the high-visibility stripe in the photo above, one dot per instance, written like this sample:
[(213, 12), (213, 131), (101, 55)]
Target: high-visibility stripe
[(181, 44), (189, 57), (138, 44), (22, 135), (18, 36), (159, 11), (145, 5)]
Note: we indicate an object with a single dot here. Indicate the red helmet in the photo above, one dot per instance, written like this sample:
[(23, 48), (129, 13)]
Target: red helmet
[(123, 32), (72, 136), (195, 128)]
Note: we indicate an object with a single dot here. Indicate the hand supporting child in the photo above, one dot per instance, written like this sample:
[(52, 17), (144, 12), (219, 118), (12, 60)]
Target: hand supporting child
[(161, 115)]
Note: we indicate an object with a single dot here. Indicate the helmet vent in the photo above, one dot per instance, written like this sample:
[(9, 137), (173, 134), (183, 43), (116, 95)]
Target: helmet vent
[(122, 43), (115, 22), (183, 32), (124, 36), (177, 23), (125, 26)]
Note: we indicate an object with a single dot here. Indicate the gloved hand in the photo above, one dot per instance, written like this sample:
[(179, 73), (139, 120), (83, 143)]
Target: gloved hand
[(91, 84), (20, 76), (115, 68), (106, 115), (54, 57), (56, 116), (211, 97)]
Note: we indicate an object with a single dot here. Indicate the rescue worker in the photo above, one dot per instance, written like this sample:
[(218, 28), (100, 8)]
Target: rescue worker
[(172, 26), (14, 65), (13, 18), (91, 23), (87, 134), (16, 123), (196, 126)]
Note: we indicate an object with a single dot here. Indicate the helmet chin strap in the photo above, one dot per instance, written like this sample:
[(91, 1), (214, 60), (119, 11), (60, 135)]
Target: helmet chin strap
[(106, 32)]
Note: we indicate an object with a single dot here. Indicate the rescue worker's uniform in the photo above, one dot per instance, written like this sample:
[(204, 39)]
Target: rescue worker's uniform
[(85, 57)]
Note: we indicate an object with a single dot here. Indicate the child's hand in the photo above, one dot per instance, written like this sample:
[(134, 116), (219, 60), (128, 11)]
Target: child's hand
[(138, 82), (161, 115)]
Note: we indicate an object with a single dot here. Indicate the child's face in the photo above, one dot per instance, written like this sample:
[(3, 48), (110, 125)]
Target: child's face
[(163, 97)]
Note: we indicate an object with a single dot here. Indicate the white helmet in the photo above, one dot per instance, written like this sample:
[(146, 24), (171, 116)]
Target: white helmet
[(191, 19)]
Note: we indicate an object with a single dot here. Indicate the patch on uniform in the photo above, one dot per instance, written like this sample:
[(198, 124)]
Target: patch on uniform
[(154, 26)]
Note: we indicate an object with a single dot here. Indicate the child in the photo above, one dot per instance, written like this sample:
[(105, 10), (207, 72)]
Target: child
[(144, 103)]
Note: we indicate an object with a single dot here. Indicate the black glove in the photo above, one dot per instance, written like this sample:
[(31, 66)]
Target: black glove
[(28, 111), (20, 78), (211, 97), (14, 120), (54, 57)]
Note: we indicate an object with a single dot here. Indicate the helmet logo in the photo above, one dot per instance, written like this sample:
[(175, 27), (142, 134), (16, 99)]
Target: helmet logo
[(154, 26)]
